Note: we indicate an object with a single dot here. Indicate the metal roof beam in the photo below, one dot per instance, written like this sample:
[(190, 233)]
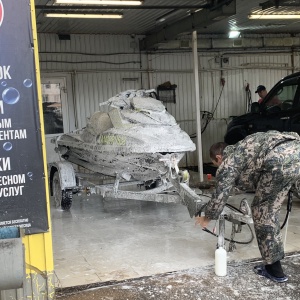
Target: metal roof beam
[(196, 20)]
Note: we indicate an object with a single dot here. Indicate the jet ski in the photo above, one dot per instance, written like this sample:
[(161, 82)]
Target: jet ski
[(131, 136)]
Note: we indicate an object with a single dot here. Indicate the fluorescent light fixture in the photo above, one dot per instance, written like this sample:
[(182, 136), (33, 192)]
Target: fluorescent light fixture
[(83, 16), (98, 2), (274, 17), (234, 34)]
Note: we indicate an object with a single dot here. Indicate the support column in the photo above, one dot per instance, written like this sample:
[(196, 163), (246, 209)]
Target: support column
[(197, 99)]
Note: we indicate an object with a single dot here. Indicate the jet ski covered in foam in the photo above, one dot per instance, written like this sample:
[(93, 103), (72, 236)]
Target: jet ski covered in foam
[(131, 136)]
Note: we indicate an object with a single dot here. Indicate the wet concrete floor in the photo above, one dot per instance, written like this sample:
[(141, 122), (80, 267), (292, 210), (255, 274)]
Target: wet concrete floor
[(102, 241), (196, 284), (126, 249)]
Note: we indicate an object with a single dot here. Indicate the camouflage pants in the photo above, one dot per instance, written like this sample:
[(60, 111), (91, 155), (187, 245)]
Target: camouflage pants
[(280, 170)]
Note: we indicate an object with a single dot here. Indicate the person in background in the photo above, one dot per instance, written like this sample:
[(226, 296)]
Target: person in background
[(262, 92), (269, 163)]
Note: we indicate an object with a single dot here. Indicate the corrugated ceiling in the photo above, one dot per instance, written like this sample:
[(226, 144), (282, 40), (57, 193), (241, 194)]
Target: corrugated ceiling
[(143, 21)]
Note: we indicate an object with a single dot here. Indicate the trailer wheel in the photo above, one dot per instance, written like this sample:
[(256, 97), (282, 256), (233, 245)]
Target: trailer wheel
[(66, 200), (62, 198)]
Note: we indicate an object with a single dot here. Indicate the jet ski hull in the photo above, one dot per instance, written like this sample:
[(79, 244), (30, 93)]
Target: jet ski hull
[(134, 139)]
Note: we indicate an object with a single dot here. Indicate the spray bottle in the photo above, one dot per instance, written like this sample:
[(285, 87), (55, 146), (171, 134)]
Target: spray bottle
[(220, 253)]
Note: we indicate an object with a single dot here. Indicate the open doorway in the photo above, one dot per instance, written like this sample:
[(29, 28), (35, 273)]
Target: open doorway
[(56, 112)]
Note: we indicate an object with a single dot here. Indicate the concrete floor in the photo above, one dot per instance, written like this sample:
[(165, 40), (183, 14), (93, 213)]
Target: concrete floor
[(115, 240), (195, 284)]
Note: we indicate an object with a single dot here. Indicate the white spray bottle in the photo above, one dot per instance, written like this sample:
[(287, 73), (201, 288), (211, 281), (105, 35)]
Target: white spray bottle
[(220, 253)]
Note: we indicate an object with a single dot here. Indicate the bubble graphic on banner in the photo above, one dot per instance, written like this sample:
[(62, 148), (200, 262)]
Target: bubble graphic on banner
[(7, 146), (4, 83), (11, 95), (30, 174), (27, 83)]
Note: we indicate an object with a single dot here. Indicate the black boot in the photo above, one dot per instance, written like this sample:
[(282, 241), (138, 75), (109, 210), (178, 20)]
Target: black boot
[(273, 272), (275, 269)]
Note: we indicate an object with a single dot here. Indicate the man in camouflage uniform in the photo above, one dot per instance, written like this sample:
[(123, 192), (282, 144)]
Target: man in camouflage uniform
[(269, 163)]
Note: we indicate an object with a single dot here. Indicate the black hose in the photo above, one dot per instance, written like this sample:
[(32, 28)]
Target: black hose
[(288, 208), (231, 240)]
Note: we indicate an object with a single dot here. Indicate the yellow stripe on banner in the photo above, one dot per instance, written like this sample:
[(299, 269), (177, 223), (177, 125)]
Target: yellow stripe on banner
[(38, 247)]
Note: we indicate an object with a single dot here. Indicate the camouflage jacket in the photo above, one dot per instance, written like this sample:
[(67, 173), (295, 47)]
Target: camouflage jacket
[(242, 166)]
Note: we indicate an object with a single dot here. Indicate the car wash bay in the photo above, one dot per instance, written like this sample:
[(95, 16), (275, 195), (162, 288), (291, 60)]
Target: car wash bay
[(102, 242)]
